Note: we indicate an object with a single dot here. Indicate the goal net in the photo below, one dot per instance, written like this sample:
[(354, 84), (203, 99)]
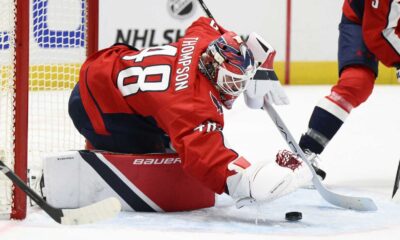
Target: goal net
[(57, 36)]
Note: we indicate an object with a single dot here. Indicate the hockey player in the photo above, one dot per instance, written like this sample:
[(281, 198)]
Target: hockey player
[(170, 98), (368, 33)]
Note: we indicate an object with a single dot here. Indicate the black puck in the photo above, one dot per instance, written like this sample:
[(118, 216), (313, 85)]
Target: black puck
[(293, 216)]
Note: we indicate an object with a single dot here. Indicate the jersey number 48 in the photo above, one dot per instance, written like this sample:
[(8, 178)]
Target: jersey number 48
[(142, 73)]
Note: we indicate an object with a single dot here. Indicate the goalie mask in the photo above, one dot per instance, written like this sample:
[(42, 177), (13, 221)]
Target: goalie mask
[(229, 64)]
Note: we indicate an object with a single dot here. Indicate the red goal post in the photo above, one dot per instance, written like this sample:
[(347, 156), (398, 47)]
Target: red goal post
[(42, 45)]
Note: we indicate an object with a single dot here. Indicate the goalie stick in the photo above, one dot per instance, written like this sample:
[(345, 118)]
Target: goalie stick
[(356, 203), (205, 8), (101, 210)]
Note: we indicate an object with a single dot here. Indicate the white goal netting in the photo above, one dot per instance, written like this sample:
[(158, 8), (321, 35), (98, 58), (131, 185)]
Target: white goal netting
[(57, 45)]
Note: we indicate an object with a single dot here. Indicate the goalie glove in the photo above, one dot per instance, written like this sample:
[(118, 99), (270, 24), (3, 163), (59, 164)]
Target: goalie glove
[(265, 81), (266, 181)]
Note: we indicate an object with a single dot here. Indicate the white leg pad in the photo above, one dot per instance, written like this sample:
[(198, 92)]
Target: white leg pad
[(71, 183), (78, 178)]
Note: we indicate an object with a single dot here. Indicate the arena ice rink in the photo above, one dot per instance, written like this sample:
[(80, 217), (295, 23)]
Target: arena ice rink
[(361, 161)]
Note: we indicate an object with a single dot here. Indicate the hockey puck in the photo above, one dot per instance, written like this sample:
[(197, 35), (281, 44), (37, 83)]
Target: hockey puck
[(293, 216)]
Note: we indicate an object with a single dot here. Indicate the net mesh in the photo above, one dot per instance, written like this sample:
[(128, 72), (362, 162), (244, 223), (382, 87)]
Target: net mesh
[(57, 45), (7, 94), (57, 49)]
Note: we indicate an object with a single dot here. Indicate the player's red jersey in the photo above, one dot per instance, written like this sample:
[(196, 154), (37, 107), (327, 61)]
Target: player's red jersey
[(379, 20), (165, 83)]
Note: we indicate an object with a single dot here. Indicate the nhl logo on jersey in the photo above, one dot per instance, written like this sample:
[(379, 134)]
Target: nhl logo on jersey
[(181, 9)]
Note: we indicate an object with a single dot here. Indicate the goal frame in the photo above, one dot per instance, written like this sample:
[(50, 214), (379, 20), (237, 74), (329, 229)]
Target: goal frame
[(21, 73)]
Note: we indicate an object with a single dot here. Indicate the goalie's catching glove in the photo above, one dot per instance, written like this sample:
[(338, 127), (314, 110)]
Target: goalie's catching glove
[(267, 181)]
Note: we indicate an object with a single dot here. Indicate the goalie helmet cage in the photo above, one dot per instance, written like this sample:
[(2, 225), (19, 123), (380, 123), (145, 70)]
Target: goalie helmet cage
[(42, 46)]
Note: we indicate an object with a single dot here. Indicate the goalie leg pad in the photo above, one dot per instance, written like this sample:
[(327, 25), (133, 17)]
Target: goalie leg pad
[(149, 182)]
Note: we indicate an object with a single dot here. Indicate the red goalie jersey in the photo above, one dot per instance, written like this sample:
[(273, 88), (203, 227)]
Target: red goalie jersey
[(164, 83), (379, 20)]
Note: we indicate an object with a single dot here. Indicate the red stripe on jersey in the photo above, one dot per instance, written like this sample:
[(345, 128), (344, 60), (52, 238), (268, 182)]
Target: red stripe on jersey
[(93, 112), (349, 12)]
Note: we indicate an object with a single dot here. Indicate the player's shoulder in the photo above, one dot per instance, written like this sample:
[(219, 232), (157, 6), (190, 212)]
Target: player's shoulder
[(202, 21), (204, 25)]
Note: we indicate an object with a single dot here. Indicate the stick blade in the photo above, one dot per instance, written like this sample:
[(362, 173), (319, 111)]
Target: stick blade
[(349, 202), (396, 182), (354, 203), (396, 193), (105, 209)]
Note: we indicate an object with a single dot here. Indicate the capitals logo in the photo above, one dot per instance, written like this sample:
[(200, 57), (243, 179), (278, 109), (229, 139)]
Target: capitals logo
[(217, 104)]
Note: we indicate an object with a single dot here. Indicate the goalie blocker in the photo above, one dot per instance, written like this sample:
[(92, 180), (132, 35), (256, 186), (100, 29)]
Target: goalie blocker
[(148, 182)]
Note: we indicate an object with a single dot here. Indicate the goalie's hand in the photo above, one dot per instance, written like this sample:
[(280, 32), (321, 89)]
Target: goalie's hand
[(265, 81)]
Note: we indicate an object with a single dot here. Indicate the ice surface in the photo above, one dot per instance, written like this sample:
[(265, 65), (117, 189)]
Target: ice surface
[(360, 161)]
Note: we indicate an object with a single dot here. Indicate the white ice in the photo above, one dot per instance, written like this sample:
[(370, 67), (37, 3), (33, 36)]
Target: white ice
[(360, 161)]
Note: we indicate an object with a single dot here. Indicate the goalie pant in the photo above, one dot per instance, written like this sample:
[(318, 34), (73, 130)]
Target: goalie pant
[(147, 183)]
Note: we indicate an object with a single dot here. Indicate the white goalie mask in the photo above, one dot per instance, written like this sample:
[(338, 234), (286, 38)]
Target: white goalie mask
[(229, 64)]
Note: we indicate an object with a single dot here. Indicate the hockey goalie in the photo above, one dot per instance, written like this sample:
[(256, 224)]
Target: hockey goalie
[(153, 120)]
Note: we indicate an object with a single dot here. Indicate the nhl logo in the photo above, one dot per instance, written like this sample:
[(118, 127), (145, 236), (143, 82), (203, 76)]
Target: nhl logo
[(181, 9)]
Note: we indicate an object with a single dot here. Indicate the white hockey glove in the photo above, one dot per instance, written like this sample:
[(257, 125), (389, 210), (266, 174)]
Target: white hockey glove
[(266, 181), (265, 81)]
